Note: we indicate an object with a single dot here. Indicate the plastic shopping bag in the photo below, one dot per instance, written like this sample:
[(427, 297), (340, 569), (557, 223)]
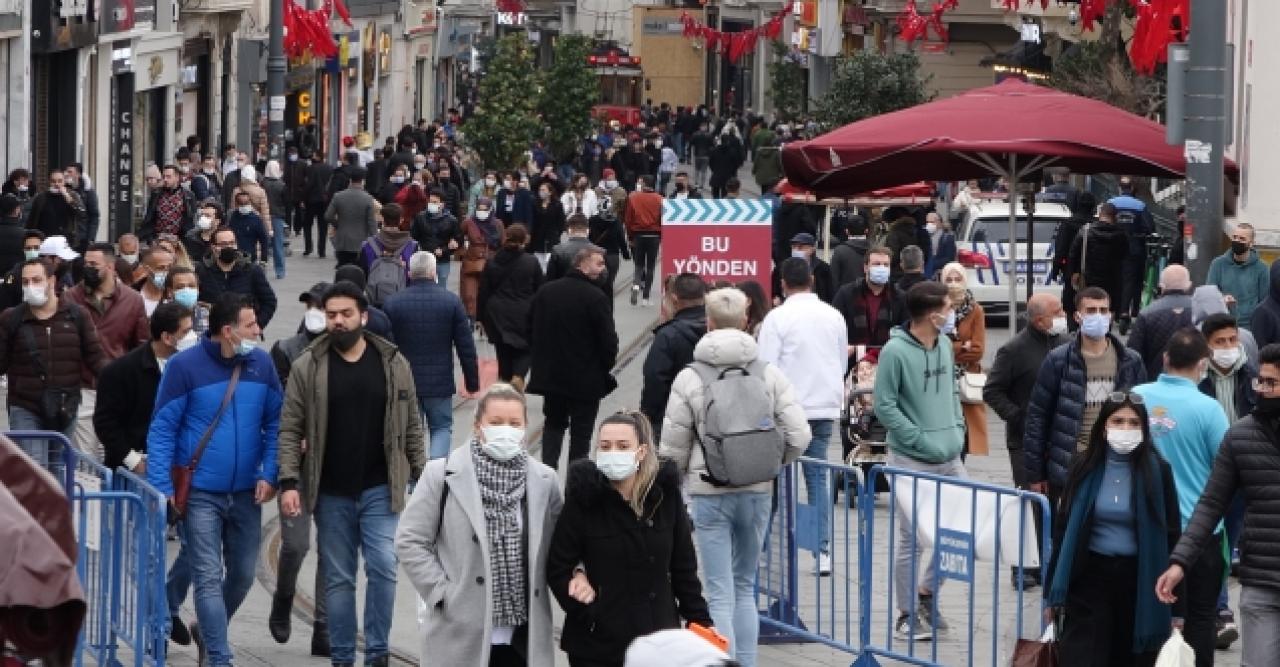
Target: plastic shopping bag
[(1176, 652)]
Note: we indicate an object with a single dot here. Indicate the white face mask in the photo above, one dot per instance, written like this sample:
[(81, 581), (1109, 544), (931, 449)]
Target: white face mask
[(490, 182), (397, 179), (1226, 358), (130, 258), (799, 254), (1058, 327), (188, 341), (502, 443), (35, 295), (204, 223), (1124, 441), (878, 275), (314, 320), (433, 208), (610, 184), (617, 466), (482, 215)]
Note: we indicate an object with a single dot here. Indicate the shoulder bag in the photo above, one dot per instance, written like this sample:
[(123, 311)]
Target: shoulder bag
[(181, 475)]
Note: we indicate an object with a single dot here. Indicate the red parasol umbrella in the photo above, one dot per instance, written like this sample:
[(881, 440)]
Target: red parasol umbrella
[(976, 134), (1012, 129)]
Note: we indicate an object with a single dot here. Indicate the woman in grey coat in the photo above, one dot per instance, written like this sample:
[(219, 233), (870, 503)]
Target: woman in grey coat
[(474, 540)]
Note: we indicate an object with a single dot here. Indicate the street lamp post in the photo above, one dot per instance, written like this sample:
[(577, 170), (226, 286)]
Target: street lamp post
[(276, 68)]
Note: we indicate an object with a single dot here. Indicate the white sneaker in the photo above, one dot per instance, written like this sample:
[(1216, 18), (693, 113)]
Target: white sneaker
[(822, 564)]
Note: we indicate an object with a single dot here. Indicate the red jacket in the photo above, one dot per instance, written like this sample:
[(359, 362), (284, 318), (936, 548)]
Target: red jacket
[(644, 213)]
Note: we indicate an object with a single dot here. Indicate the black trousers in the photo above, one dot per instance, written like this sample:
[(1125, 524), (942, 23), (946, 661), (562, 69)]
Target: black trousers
[(512, 361), (611, 262), (505, 655), (644, 251), (1201, 587), (1098, 628), (1131, 286), (347, 257), (561, 413), (314, 218), (580, 662)]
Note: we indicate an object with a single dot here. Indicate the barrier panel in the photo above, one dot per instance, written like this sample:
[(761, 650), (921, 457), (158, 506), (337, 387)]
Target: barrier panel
[(119, 521), (796, 602), (980, 539)]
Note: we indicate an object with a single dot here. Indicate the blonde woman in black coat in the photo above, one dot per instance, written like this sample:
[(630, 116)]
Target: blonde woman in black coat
[(622, 562)]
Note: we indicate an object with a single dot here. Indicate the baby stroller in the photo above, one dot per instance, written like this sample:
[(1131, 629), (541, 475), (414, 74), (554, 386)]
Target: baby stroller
[(862, 436)]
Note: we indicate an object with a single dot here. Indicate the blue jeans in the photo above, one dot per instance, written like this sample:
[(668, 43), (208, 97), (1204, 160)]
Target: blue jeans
[(730, 531), (222, 533), (22, 419), (815, 479), (178, 582), (345, 525), (438, 411), (443, 267), (277, 245)]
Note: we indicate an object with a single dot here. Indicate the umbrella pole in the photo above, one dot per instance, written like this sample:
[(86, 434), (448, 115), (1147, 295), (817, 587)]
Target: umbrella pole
[(1010, 180), (826, 234)]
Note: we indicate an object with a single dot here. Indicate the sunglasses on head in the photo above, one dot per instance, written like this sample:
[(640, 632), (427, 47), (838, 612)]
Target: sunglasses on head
[(1123, 396)]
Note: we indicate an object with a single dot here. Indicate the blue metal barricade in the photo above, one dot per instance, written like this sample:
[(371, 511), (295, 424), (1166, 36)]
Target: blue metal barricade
[(119, 521), (979, 536), (797, 602)]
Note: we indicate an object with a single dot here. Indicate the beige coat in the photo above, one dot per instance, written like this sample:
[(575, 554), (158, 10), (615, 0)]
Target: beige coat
[(685, 411), (447, 560), (305, 417)]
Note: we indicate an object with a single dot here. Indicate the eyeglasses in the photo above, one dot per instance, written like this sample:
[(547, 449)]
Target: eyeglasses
[(1265, 384), (1122, 396)]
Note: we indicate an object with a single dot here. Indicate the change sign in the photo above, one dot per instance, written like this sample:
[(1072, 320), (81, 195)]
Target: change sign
[(718, 239)]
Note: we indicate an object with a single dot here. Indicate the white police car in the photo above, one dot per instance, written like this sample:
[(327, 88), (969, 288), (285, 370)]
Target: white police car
[(982, 246)]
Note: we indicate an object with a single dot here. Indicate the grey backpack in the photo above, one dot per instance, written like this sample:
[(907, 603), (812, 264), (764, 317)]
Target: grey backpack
[(386, 277), (740, 440)]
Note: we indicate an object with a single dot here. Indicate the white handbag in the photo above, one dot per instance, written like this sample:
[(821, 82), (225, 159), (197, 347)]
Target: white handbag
[(970, 387)]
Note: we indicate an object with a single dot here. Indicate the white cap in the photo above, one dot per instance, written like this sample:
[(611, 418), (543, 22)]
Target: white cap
[(248, 173), (57, 246), (674, 648)]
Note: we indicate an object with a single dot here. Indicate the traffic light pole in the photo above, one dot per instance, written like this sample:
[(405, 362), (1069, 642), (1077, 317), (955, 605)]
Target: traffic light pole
[(1205, 124), (276, 68)]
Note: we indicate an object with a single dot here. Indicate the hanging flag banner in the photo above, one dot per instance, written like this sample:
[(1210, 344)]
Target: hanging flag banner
[(718, 239)]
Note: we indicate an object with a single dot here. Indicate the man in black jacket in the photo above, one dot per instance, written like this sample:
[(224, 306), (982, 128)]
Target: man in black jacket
[(1098, 255), (58, 211), (1071, 386), (870, 306), (93, 216), (226, 270), (574, 345), (1247, 466), (11, 232), (1012, 379), (1155, 325), (672, 348), (849, 258), (127, 389), (316, 190)]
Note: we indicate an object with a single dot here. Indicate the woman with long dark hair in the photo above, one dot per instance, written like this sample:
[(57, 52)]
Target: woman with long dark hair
[(757, 305), (1116, 525)]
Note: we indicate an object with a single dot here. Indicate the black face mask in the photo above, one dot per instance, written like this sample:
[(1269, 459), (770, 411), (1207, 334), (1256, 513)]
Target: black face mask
[(92, 277), (1239, 247), (228, 255), (1268, 407), (344, 340)]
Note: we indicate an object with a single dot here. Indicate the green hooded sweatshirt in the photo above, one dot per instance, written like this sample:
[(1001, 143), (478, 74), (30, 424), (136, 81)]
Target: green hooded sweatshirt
[(916, 398)]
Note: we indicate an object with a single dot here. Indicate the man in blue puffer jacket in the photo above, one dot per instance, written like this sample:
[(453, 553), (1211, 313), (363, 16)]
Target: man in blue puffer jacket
[(1073, 382), (235, 474)]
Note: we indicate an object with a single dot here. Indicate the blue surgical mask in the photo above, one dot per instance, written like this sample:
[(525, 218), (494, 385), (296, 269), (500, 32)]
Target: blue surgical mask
[(949, 326), (1096, 325), (878, 275), (246, 346), (186, 297), (617, 466)]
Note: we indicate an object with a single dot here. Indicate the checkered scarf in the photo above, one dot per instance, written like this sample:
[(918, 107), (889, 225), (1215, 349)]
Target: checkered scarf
[(169, 212), (502, 490)]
